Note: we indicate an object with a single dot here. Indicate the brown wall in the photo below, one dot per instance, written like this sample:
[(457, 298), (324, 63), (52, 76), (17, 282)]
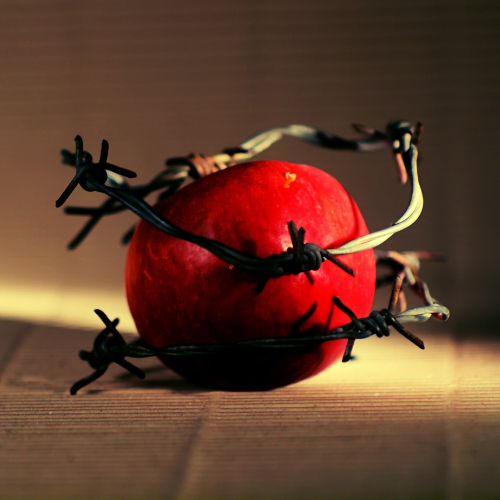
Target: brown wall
[(160, 79)]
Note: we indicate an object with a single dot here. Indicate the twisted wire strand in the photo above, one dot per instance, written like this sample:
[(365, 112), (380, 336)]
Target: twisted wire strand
[(402, 145), (274, 265), (110, 347), (375, 141), (400, 135)]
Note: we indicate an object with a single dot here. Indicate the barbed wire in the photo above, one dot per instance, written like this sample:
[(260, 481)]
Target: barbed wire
[(400, 135), (110, 347), (110, 179), (405, 267)]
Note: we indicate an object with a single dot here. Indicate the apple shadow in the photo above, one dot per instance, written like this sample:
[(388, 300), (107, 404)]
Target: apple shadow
[(165, 379), (317, 328), (170, 381)]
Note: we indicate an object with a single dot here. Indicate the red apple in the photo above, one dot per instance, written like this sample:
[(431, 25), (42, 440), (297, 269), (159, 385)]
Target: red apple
[(180, 293)]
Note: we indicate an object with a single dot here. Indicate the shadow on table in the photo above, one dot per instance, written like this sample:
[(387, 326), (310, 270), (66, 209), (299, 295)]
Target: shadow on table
[(159, 377)]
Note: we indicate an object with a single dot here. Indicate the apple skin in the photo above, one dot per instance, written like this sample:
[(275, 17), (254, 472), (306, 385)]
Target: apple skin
[(180, 293)]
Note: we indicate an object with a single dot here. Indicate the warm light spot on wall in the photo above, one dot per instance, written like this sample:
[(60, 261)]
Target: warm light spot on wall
[(56, 305)]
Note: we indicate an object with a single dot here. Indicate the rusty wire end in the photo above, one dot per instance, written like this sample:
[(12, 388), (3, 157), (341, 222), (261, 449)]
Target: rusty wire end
[(419, 128), (404, 269), (396, 290)]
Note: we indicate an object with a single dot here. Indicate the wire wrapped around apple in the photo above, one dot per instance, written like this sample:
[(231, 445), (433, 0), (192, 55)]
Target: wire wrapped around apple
[(223, 285), (180, 293)]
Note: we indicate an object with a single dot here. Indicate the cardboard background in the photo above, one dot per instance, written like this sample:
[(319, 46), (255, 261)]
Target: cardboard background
[(161, 79)]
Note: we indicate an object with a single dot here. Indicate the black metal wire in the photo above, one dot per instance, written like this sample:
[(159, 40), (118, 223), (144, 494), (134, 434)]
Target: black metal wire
[(96, 173), (102, 354), (92, 177), (110, 347)]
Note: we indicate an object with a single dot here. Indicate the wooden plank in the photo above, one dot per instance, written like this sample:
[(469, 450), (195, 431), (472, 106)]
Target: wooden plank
[(12, 334), (48, 360), (94, 446), (396, 423), (110, 440), (372, 428), (474, 423)]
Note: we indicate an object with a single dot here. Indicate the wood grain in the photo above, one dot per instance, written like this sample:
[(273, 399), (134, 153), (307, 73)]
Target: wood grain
[(395, 423)]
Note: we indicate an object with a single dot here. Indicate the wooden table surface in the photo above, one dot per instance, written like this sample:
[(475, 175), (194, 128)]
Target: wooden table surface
[(395, 423)]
